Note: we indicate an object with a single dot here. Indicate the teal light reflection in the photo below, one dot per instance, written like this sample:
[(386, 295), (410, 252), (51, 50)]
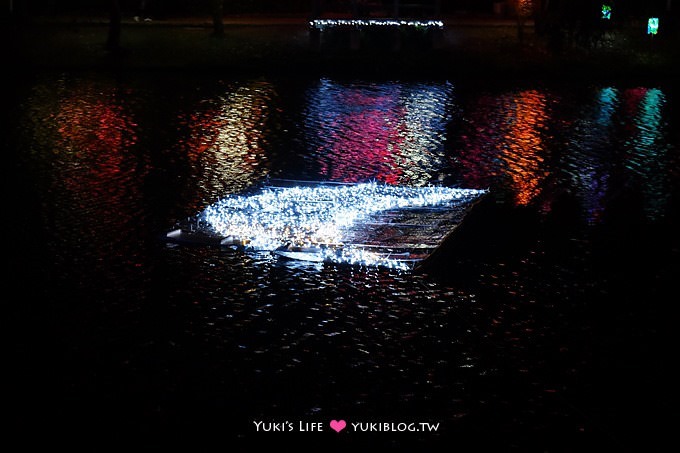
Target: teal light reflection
[(648, 153)]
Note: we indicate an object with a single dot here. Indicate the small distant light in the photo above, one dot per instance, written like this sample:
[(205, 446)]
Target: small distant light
[(653, 26), (326, 23), (606, 12)]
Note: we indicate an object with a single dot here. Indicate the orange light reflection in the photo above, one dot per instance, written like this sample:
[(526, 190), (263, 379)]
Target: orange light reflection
[(523, 149)]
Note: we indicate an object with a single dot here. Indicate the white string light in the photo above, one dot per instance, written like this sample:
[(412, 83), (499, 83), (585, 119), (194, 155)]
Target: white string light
[(318, 216), (327, 23)]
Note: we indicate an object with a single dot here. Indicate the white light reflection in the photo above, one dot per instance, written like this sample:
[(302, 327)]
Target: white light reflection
[(226, 140), (318, 216)]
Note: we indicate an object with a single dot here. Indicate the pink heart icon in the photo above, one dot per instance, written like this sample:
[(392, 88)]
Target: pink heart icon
[(338, 425)]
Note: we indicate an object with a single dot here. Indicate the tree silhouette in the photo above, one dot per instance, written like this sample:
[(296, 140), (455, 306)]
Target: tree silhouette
[(115, 17), (217, 17), (569, 23)]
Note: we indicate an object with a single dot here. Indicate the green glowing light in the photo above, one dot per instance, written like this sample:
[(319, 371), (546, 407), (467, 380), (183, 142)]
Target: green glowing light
[(653, 26), (606, 12)]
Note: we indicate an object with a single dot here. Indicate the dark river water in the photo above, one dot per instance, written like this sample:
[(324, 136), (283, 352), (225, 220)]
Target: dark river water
[(545, 325)]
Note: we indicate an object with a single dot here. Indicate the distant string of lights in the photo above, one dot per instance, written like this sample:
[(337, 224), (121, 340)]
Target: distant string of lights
[(318, 216), (327, 23)]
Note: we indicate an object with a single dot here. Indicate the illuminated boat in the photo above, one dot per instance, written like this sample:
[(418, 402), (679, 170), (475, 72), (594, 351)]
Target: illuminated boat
[(365, 224)]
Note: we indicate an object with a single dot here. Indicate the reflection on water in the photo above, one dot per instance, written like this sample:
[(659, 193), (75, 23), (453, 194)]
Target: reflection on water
[(647, 149), (392, 132), (226, 144), (82, 139), (512, 140), (587, 162), (168, 328), (503, 140), (523, 149)]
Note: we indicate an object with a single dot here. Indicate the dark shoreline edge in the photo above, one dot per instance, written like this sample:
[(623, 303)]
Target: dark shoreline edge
[(480, 52)]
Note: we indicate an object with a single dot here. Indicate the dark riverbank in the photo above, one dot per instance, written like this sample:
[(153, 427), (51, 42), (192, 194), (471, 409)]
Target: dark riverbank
[(474, 48)]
